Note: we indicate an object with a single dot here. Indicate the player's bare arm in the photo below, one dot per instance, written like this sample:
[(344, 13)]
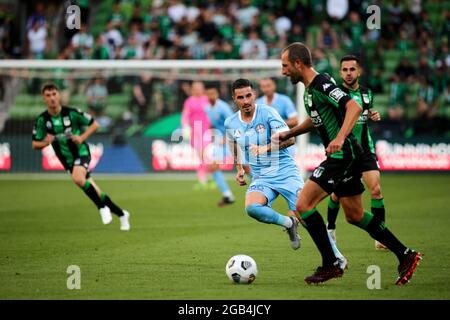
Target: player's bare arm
[(274, 145), (353, 110), (374, 115), (237, 156), (38, 145), (305, 127), (292, 122), (86, 134)]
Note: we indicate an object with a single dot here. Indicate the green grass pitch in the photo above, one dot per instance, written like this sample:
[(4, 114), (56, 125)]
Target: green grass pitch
[(180, 241)]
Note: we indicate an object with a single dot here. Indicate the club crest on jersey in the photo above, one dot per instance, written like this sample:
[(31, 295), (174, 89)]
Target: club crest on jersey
[(237, 133), (66, 121), (260, 128), (336, 94), (48, 124), (366, 98), (310, 100)]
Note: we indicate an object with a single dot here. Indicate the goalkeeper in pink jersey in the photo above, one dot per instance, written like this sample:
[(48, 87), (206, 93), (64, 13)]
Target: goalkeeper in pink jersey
[(195, 124)]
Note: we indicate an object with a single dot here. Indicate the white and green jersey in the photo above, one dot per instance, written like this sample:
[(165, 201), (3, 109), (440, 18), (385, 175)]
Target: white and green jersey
[(325, 104), (63, 125), (364, 97)]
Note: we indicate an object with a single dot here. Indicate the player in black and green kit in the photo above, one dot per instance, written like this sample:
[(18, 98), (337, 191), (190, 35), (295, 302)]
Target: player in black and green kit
[(63, 128), (350, 72), (333, 113)]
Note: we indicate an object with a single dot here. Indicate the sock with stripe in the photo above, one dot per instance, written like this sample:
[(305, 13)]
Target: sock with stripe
[(90, 191), (378, 230), (377, 208)]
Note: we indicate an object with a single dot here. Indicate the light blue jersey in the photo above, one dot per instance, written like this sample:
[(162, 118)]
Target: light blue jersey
[(285, 107), (282, 103), (272, 173), (217, 114)]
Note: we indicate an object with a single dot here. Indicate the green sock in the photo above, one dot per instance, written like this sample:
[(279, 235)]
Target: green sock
[(378, 230), (377, 208), (90, 191)]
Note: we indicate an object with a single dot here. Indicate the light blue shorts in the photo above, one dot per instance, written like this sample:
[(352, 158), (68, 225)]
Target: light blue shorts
[(288, 188)]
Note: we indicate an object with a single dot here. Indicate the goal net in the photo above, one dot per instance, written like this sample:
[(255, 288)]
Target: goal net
[(138, 105)]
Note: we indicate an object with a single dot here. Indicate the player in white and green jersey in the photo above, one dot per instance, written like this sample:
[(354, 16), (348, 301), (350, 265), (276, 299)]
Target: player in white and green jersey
[(350, 72), (63, 128), (333, 113)]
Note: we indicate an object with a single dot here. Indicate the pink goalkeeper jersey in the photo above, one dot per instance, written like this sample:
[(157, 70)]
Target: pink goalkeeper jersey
[(196, 118)]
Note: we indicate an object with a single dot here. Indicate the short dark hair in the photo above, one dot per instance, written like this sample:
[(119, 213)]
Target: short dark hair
[(299, 51), (212, 85), (350, 57), (49, 87), (241, 83)]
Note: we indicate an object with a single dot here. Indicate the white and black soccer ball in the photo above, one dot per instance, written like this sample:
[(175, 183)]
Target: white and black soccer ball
[(241, 269)]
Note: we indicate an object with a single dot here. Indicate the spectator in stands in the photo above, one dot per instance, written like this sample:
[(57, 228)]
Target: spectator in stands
[(337, 9), (405, 71), (101, 50), (82, 43), (327, 37), (132, 50), (297, 34), (245, 13), (141, 98), (397, 98), (38, 16), (97, 95), (153, 49), (253, 47), (321, 62), (355, 31), (117, 18), (113, 39), (37, 40)]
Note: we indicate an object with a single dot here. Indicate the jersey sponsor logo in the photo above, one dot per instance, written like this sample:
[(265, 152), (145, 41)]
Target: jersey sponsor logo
[(66, 121), (346, 179), (318, 172), (260, 128), (366, 98), (316, 119), (326, 86), (336, 94)]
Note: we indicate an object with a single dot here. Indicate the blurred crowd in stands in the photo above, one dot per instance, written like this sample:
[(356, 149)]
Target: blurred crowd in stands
[(407, 60)]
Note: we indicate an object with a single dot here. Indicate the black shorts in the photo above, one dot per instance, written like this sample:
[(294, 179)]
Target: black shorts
[(368, 162), (81, 161), (339, 176)]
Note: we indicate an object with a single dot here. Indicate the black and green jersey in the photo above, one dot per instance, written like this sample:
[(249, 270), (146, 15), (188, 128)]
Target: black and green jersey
[(361, 131), (325, 103), (63, 125)]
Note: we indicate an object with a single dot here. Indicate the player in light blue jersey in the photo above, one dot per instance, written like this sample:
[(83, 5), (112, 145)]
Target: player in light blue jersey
[(273, 170), (217, 111), (281, 102)]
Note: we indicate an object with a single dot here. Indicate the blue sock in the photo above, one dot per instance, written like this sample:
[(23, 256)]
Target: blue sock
[(220, 181), (266, 214)]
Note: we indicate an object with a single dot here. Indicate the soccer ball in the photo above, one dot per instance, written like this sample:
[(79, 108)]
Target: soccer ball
[(241, 269)]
